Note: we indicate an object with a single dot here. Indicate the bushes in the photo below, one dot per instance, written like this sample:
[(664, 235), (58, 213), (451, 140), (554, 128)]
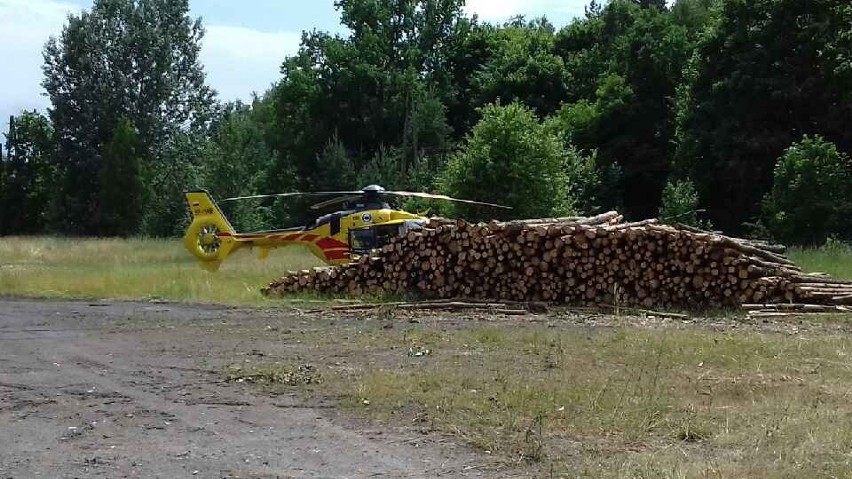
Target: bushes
[(510, 158), (810, 197), (680, 204)]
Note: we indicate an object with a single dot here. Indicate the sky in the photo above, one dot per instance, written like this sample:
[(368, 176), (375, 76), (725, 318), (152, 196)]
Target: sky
[(246, 41)]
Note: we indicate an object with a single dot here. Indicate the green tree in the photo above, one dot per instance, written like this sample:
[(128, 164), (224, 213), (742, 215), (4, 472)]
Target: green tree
[(625, 62), (28, 173), (524, 68), (236, 160), (512, 159), (766, 73), (165, 212), (381, 86), (811, 197), (120, 184), (470, 47), (695, 15), (385, 168), (584, 181), (335, 170), (681, 204), (134, 59)]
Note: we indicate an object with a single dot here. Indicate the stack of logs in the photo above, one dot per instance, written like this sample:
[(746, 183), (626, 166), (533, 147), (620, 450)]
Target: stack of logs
[(579, 261)]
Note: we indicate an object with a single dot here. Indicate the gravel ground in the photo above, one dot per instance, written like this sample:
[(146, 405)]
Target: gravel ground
[(124, 389)]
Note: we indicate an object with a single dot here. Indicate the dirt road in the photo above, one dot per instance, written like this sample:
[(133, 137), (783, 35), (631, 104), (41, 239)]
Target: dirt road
[(122, 389)]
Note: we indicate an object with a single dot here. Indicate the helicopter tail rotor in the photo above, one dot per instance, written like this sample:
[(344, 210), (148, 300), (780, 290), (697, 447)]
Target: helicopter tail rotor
[(210, 235)]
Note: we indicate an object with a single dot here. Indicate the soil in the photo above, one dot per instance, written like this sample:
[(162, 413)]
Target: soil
[(134, 389)]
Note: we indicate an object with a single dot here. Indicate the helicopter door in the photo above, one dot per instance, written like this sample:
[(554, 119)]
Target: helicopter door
[(335, 224)]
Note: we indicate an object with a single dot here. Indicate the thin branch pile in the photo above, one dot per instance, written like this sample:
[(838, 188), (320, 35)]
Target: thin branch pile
[(577, 261)]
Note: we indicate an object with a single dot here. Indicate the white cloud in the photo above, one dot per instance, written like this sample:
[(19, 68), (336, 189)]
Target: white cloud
[(238, 60), (502, 10), (25, 26)]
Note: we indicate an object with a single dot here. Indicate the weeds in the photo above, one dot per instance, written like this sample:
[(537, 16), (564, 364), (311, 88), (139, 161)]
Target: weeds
[(616, 402), (273, 374)]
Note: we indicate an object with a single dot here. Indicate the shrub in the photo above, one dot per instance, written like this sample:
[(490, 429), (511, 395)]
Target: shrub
[(512, 159), (680, 204), (810, 197)]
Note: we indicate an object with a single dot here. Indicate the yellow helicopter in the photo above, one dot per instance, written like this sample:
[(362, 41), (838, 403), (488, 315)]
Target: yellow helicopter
[(366, 221)]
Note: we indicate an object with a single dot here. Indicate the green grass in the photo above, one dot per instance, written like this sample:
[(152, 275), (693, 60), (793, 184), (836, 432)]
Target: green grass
[(834, 258), (574, 401), (136, 269), (154, 268), (605, 402)]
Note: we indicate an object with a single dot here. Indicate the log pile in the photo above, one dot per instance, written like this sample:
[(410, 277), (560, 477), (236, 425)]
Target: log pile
[(599, 260)]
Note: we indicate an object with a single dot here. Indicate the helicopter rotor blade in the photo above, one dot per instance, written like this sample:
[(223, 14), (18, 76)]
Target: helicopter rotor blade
[(294, 194), (431, 196), (334, 201)]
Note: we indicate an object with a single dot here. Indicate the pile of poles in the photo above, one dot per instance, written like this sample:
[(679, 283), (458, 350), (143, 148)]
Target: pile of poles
[(598, 261)]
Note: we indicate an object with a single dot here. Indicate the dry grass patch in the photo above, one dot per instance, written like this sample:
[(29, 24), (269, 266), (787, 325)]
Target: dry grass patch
[(614, 402), (273, 375)]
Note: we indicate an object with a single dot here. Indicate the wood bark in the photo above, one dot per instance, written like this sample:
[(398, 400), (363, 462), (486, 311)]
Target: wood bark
[(599, 260)]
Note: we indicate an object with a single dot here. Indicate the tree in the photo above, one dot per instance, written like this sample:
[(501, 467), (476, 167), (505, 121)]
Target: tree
[(625, 63), (133, 59), (510, 158), (524, 68), (28, 174), (120, 185), (585, 181), (236, 160), (694, 14), (471, 46), (165, 212), (382, 86), (766, 73), (811, 197), (681, 204), (383, 169)]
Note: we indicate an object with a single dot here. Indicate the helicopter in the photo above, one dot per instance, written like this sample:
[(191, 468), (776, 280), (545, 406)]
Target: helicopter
[(366, 221)]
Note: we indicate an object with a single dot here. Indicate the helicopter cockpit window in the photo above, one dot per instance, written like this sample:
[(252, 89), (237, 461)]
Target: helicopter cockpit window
[(362, 240), (365, 239), (384, 233)]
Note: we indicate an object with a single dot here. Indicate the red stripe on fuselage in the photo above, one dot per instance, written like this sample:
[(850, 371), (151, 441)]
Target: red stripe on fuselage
[(331, 243), (248, 236), (339, 254)]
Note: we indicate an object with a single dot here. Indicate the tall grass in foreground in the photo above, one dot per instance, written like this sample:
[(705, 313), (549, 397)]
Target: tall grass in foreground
[(136, 269)]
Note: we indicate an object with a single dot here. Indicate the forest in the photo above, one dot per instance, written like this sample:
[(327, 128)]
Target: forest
[(727, 114)]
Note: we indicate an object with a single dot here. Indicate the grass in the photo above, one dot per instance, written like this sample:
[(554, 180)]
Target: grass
[(136, 269), (565, 401), (835, 258), (573, 401), (154, 268)]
